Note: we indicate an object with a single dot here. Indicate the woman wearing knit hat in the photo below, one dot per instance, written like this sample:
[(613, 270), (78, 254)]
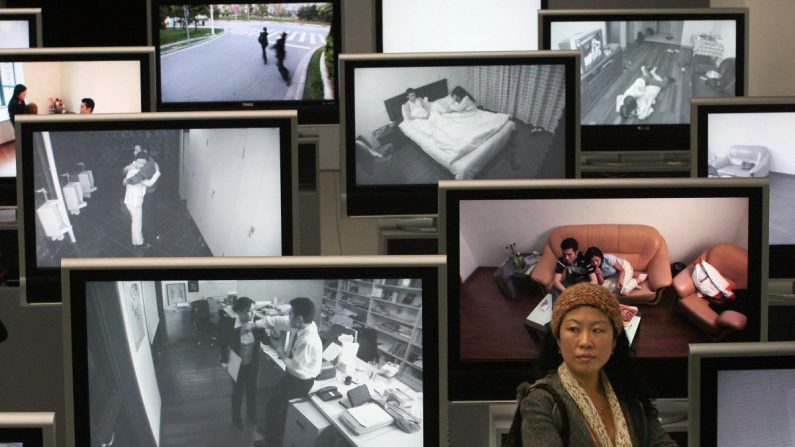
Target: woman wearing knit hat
[(591, 371)]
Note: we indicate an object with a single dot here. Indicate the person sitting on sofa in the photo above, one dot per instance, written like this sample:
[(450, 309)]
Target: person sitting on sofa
[(572, 267), (613, 273)]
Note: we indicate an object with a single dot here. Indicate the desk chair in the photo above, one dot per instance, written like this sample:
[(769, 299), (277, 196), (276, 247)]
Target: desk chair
[(368, 345), (201, 320)]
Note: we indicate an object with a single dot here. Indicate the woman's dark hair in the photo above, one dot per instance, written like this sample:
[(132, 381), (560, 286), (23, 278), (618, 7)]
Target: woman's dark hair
[(593, 251), (621, 369), (242, 304), (19, 88), (459, 91), (629, 107)]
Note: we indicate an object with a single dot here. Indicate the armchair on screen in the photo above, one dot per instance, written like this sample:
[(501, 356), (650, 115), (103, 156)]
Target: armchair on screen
[(732, 263)]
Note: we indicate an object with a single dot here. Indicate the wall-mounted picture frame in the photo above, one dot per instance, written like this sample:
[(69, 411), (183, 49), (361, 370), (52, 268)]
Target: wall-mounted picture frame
[(175, 293), (193, 286)]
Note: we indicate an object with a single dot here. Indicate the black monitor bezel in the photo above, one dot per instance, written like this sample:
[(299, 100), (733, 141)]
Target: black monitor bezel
[(28, 436), (659, 137), (379, 23), (781, 255), (143, 55), (30, 15), (76, 363), (309, 112), (479, 380), (42, 284), (411, 200)]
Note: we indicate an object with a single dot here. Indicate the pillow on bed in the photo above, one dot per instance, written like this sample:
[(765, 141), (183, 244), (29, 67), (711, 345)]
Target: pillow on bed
[(442, 104)]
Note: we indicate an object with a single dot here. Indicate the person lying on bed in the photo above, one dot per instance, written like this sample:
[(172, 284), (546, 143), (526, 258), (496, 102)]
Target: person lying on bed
[(638, 100), (462, 101), (415, 108)]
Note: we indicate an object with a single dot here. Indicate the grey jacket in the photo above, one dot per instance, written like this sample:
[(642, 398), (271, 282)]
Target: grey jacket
[(541, 421)]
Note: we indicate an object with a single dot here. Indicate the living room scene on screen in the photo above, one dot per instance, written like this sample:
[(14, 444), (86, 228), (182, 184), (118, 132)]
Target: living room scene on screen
[(505, 301), (157, 192), (61, 87), (650, 68), (176, 340), (758, 145), (246, 52), (419, 125)]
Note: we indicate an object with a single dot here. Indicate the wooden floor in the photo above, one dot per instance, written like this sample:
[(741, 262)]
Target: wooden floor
[(673, 102), (493, 327), (527, 154), (782, 208), (196, 397), (8, 159)]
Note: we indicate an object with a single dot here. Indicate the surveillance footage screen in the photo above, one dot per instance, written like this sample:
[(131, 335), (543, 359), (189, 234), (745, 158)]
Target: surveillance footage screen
[(14, 34), (245, 52), (647, 71), (157, 192)]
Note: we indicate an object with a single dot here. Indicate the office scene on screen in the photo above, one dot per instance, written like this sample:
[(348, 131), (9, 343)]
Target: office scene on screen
[(180, 344), (649, 234), (245, 52), (14, 34), (418, 26), (62, 87), (756, 407), (758, 145), (647, 71), (419, 125), (157, 192)]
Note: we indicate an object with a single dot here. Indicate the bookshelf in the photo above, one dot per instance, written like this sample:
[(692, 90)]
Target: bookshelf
[(392, 307)]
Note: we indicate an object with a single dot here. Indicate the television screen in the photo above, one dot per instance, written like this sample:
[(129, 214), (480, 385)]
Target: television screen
[(423, 26), (742, 394), (156, 184), (60, 81), (503, 239), (749, 137), (133, 356), (640, 69), (411, 121), (270, 55), (20, 28), (27, 429)]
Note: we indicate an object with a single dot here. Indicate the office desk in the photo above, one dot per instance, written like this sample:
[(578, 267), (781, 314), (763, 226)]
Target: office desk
[(384, 437)]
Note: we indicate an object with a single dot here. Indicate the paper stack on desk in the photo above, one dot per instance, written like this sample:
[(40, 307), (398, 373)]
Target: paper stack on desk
[(366, 418)]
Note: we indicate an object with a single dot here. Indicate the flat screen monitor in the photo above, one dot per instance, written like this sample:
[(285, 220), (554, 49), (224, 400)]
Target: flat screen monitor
[(27, 429), (58, 80), (742, 394), (235, 56), (750, 137), (498, 310), (153, 184), (425, 26), (20, 28), (137, 367), (641, 67), (505, 115)]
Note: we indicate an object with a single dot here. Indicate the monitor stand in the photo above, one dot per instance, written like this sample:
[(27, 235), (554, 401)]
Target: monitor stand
[(418, 225)]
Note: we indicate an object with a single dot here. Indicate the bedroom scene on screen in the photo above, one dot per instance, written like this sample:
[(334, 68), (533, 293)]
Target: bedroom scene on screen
[(419, 125), (63, 87), (507, 293), (755, 405), (181, 344), (14, 33), (646, 71), (447, 25), (246, 52), (758, 145), (157, 192)]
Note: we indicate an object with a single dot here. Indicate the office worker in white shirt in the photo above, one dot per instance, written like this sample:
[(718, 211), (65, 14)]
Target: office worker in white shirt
[(302, 361)]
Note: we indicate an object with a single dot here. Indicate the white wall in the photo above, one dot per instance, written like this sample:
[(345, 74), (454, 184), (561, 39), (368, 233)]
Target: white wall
[(374, 85), (689, 225), (284, 290), (14, 34), (150, 309), (142, 363), (774, 130)]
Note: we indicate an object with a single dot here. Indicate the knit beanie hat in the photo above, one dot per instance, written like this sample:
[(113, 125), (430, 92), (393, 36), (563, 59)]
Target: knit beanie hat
[(586, 294)]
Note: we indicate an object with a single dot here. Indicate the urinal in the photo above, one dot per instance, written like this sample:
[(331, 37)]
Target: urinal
[(73, 196), (50, 220), (86, 179)]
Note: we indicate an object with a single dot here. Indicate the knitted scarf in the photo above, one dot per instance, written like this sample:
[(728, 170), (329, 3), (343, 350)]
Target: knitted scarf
[(591, 415)]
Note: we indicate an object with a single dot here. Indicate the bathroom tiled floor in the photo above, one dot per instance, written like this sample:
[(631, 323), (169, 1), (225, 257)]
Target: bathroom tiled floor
[(102, 229)]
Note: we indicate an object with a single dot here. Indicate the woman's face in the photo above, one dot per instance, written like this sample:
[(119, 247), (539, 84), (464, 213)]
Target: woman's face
[(586, 341), (596, 261), (22, 95), (245, 316), (456, 97)]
